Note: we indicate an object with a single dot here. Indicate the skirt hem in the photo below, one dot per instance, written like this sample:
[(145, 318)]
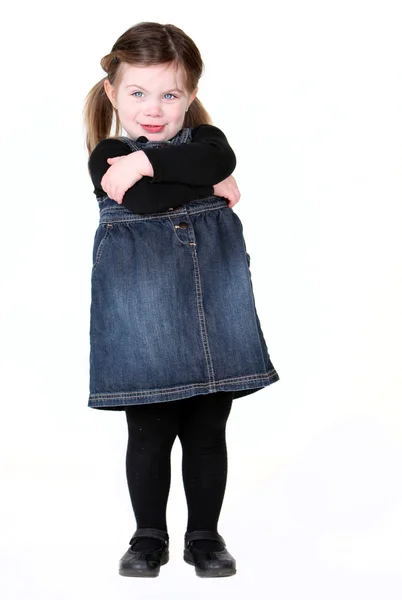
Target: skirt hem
[(241, 386)]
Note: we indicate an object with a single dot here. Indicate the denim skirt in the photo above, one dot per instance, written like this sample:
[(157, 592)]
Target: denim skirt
[(172, 307)]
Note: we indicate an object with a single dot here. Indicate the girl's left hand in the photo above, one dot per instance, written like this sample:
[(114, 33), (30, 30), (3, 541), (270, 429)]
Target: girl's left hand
[(120, 176), (228, 189)]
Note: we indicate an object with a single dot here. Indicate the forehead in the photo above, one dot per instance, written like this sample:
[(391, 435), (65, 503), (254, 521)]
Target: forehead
[(154, 76)]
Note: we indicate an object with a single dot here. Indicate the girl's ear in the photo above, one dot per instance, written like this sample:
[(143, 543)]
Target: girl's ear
[(109, 90), (193, 95)]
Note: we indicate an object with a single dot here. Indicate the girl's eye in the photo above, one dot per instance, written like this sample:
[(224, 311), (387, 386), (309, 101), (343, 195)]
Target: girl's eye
[(168, 94)]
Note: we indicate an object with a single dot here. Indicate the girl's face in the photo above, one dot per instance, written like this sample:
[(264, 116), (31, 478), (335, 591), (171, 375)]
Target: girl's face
[(151, 96)]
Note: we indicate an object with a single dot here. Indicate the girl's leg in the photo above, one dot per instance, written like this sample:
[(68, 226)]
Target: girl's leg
[(202, 434), (152, 429)]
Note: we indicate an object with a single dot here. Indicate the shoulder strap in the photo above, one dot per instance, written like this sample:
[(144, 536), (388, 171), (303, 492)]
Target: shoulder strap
[(130, 143), (184, 136)]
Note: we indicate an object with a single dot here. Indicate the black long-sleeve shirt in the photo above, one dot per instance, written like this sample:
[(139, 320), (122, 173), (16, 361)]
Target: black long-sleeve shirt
[(182, 172)]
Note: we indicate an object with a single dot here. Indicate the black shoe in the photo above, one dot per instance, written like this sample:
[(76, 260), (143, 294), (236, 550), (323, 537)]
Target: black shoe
[(145, 564), (208, 564)]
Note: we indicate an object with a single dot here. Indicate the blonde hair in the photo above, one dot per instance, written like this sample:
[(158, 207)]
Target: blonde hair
[(144, 44)]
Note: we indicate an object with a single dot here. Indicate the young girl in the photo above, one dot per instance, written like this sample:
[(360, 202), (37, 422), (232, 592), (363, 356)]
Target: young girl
[(174, 334)]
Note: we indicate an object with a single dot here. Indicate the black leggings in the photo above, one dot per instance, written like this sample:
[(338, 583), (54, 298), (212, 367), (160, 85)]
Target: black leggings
[(200, 423)]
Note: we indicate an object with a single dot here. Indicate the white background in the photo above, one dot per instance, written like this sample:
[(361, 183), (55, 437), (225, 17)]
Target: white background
[(309, 95)]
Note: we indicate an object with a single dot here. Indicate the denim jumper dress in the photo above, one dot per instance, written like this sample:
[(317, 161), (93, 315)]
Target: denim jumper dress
[(172, 307)]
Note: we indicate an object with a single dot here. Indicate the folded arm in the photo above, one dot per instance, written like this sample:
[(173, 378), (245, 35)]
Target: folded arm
[(142, 197), (206, 160), (180, 173)]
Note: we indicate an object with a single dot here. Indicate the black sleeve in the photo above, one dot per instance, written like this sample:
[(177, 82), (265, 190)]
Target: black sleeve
[(142, 197), (97, 162), (207, 160)]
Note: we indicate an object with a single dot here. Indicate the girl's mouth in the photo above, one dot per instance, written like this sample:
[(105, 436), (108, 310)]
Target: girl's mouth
[(153, 128)]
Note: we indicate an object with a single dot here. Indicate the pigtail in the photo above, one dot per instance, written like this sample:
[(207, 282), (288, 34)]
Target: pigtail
[(196, 115), (98, 116)]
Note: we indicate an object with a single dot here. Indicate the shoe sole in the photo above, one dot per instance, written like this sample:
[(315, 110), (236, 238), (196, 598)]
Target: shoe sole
[(144, 572), (215, 572)]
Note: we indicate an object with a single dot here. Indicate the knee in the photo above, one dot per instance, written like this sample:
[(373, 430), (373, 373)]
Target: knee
[(211, 440)]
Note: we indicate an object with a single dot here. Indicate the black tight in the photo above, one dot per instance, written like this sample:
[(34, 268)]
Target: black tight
[(200, 423)]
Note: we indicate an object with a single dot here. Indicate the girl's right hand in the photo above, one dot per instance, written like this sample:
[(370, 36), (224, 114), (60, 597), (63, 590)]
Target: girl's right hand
[(124, 172), (228, 189)]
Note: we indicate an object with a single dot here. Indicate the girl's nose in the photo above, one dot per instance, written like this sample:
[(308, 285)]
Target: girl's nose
[(153, 110)]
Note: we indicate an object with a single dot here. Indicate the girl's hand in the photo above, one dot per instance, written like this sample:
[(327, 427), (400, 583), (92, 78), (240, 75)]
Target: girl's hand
[(228, 189), (123, 173)]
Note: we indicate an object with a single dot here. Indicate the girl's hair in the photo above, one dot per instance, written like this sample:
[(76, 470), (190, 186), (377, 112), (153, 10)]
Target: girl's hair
[(143, 44)]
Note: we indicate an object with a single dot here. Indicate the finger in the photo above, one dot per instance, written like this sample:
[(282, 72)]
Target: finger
[(105, 185), (119, 195)]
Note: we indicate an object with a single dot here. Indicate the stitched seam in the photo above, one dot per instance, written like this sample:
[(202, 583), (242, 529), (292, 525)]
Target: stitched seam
[(202, 320), (150, 217), (100, 247), (160, 391)]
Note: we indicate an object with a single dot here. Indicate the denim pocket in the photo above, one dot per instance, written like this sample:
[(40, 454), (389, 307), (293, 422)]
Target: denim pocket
[(101, 235)]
